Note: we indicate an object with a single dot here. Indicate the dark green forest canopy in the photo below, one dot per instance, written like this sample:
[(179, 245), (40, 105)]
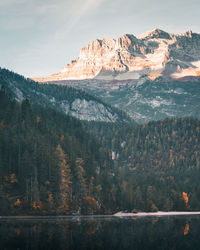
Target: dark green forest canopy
[(51, 163), (29, 138), (162, 156)]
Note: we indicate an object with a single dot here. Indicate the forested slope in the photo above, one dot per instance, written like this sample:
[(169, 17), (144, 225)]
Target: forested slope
[(157, 165), (48, 163)]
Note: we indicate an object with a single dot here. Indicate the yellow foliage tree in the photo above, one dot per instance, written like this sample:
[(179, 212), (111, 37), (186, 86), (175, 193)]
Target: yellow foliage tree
[(11, 178), (65, 178), (186, 229), (17, 203), (37, 205), (185, 198), (90, 204)]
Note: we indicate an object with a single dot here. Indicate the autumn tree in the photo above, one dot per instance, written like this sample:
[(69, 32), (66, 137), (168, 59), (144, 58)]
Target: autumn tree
[(65, 179), (81, 186)]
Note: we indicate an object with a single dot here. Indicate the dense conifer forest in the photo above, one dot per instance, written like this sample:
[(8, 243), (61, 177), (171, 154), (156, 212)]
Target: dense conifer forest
[(51, 163), (157, 164), (48, 164)]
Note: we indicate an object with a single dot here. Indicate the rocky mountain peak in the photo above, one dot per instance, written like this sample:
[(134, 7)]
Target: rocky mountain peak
[(188, 33), (155, 34), (153, 54)]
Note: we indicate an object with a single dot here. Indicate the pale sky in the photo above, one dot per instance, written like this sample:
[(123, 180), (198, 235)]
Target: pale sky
[(39, 37)]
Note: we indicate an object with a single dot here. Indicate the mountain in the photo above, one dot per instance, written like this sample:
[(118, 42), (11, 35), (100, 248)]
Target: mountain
[(151, 55), (151, 77), (74, 102), (146, 100)]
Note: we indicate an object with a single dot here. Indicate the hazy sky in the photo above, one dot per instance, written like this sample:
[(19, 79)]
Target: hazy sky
[(39, 37)]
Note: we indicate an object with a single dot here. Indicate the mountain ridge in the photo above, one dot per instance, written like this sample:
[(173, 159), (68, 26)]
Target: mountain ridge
[(73, 102), (145, 100), (151, 55)]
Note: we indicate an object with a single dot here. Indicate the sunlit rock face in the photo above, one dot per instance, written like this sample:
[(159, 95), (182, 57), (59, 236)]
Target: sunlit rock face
[(153, 54)]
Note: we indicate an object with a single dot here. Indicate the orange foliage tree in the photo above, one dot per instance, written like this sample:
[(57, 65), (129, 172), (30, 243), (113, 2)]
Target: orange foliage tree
[(65, 178), (185, 198)]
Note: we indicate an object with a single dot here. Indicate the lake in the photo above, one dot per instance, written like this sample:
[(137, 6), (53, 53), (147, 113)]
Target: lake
[(103, 232)]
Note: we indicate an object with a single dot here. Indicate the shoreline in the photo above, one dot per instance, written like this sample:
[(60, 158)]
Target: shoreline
[(159, 213), (118, 214), (50, 217)]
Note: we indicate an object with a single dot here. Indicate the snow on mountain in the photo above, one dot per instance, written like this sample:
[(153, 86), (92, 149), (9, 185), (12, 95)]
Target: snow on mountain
[(153, 54)]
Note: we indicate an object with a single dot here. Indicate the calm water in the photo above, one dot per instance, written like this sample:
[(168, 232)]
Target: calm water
[(180, 232)]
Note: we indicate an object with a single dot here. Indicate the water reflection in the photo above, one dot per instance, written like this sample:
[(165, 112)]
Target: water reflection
[(110, 233)]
